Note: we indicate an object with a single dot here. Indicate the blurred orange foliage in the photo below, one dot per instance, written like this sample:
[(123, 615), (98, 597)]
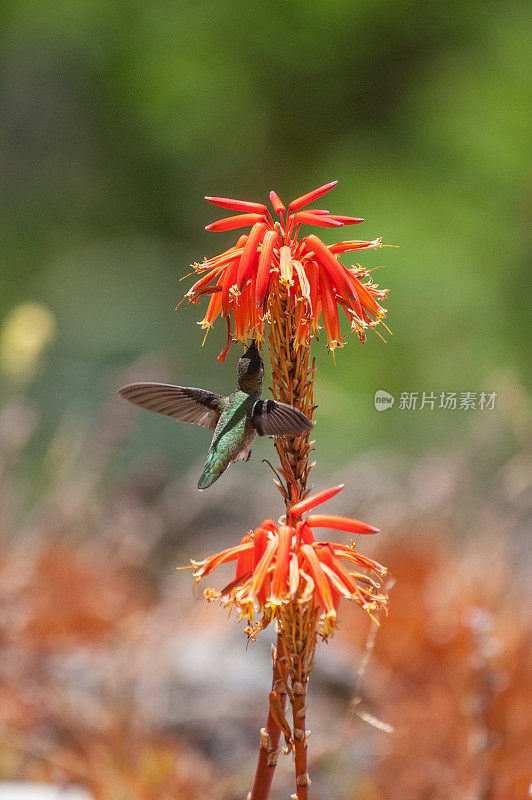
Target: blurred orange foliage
[(451, 672)]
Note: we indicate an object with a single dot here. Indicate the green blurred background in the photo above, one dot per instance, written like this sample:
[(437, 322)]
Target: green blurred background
[(117, 117)]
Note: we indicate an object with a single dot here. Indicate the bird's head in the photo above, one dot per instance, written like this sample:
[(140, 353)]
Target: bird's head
[(251, 370)]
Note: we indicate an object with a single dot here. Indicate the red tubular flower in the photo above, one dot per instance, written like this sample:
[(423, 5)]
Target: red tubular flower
[(242, 278), (276, 564), (237, 205), (230, 223), (321, 220), (305, 199), (282, 566), (302, 506), (340, 524)]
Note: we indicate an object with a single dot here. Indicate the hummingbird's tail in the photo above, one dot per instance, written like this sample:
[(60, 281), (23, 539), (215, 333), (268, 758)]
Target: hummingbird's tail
[(208, 477)]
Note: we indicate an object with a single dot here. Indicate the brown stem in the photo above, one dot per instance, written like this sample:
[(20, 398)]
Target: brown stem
[(269, 737), (297, 625), (293, 383), (300, 741)]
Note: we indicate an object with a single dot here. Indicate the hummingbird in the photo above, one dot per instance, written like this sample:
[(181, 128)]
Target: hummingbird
[(235, 419)]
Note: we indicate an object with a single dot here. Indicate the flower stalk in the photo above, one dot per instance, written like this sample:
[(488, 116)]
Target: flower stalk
[(272, 278), (270, 735), (298, 626), (292, 382)]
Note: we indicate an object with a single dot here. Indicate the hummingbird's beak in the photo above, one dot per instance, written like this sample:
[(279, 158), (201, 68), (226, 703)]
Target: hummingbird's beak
[(252, 349)]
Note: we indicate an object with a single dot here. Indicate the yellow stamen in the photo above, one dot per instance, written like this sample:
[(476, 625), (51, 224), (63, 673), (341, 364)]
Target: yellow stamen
[(374, 619)]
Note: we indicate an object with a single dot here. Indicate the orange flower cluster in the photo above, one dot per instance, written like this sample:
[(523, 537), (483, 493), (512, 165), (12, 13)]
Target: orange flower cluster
[(276, 564), (241, 279)]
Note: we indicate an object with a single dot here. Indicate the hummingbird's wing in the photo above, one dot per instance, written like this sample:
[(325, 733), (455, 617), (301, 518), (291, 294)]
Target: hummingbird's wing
[(181, 402), (271, 418)]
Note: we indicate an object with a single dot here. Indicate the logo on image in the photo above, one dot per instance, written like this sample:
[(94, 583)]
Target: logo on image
[(383, 400)]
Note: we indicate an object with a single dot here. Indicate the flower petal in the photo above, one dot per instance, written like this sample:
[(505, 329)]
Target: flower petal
[(302, 332), (263, 270), (250, 250), (204, 281), (313, 275), (244, 562), (230, 223), (277, 203), (237, 205), (293, 576), (282, 565), (366, 297), (260, 543), (335, 269), (321, 220), (350, 247), (346, 220), (212, 562), (308, 590), (305, 532), (269, 525), (223, 354), (336, 583), (342, 551), (321, 583), (340, 524), (305, 199), (354, 304), (214, 308), (285, 264), (224, 258), (330, 313), (229, 283), (326, 554), (261, 570), (300, 508)]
